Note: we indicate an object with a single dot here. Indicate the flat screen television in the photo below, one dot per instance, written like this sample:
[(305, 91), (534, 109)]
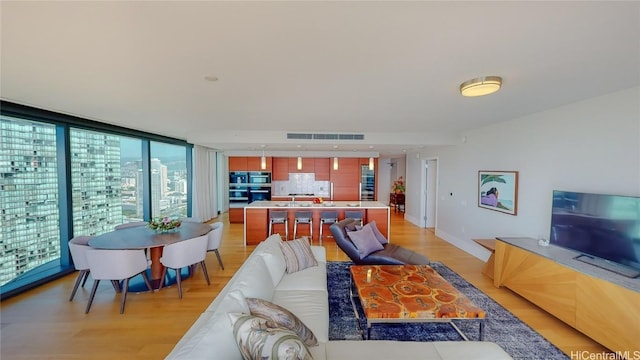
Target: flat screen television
[(604, 229)]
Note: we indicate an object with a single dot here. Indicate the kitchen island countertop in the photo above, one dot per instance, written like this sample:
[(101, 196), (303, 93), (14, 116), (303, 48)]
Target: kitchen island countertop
[(256, 217), (308, 204)]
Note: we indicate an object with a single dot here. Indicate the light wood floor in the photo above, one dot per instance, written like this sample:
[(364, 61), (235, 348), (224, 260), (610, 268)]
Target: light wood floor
[(43, 324)]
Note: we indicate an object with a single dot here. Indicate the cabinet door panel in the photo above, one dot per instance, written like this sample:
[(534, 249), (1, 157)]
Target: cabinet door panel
[(238, 163), (348, 173), (280, 168), (542, 281), (308, 165), (600, 302), (254, 163), (322, 169)]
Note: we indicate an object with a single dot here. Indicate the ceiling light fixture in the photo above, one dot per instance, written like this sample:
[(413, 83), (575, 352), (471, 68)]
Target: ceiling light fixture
[(299, 162), (263, 160), (481, 86), (370, 163), (335, 163)]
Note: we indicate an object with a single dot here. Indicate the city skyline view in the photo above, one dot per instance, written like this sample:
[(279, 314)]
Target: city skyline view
[(106, 185)]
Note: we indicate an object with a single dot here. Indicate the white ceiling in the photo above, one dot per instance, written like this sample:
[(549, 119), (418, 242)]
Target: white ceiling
[(389, 70)]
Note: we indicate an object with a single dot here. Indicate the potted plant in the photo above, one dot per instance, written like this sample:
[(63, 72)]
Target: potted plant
[(398, 186)]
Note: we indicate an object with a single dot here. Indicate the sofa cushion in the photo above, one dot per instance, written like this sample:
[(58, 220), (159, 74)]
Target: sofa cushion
[(310, 306), (365, 241), (442, 350), (259, 338), (383, 240), (313, 278), (210, 337), (320, 253), (274, 258), (255, 280), (298, 255), (318, 352), (283, 318)]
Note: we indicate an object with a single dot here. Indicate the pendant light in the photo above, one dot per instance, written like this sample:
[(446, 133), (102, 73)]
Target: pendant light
[(335, 163), (299, 162), (370, 163), (263, 159)]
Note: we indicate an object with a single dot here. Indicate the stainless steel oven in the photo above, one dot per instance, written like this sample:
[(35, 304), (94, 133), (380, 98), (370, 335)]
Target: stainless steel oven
[(262, 178), (238, 195), (259, 193)]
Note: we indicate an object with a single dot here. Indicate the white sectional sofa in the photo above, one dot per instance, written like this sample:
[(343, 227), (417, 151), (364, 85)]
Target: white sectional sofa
[(304, 293)]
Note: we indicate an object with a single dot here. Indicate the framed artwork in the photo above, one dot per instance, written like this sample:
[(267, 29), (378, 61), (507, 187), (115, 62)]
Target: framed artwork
[(498, 191)]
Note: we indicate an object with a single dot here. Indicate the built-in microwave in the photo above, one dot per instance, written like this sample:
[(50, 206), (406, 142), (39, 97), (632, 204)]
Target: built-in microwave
[(238, 177), (257, 193), (263, 178)]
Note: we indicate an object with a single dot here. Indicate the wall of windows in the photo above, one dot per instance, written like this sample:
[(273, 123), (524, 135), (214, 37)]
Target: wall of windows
[(168, 180), (62, 176), (30, 231)]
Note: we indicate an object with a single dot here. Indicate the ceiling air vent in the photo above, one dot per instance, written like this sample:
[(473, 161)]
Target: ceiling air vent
[(301, 136)]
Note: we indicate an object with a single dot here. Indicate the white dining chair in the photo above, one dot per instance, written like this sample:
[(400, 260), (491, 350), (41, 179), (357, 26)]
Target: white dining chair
[(184, 254), (116, 265), (78, 246), (215, 239), (131, 224)]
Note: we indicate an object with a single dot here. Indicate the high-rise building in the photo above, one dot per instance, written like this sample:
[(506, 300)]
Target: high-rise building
[(156, 193), (164, 180), (29, 215), (95, 181), (139, 193)]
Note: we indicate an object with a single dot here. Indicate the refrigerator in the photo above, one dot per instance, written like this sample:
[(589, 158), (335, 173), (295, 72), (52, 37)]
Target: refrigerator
[(367, 183)]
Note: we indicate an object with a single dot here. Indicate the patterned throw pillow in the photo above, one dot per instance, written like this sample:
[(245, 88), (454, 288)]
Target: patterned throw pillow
[(365, 241), (283, 318), (298, 255), (259, 338)]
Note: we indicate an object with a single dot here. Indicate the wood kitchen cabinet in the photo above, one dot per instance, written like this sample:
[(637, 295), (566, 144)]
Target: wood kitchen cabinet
[(308, 165), (322, 168), (238, 163), (253, 163), (280, 169), (248, 163), (346, 180), (236, 215)]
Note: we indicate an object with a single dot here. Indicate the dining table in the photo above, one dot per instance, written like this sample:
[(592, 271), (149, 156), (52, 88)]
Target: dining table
[(143, 237)]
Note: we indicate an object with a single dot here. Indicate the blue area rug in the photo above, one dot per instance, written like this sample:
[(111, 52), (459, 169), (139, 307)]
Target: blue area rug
[(501, 326)]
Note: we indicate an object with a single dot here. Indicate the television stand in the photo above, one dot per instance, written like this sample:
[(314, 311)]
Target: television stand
[(599, 303), (607, 265)]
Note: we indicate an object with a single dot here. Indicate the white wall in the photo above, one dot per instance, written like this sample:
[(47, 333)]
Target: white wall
[(589, 146), (389, 170)]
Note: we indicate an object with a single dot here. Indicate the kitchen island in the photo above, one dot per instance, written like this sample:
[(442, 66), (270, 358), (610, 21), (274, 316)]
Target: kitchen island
[(256, 217)]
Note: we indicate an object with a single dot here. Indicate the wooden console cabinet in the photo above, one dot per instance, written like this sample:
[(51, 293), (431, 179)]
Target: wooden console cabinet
[(605, 311)]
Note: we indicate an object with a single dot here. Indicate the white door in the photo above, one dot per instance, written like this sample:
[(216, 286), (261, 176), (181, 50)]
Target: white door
[(430, 181)]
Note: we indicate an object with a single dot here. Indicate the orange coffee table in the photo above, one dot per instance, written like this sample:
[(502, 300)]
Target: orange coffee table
[(409, 293)]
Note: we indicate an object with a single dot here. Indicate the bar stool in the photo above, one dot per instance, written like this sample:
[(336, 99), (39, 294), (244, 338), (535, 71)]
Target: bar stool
[(279, 217), (303, 217), (357, 215), (327, 217)]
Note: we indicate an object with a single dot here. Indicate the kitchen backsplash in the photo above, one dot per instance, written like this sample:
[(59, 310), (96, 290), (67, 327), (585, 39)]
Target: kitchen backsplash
[(301, 183)]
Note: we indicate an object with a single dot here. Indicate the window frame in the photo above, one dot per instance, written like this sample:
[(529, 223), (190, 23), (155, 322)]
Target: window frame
[(63, 123)]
